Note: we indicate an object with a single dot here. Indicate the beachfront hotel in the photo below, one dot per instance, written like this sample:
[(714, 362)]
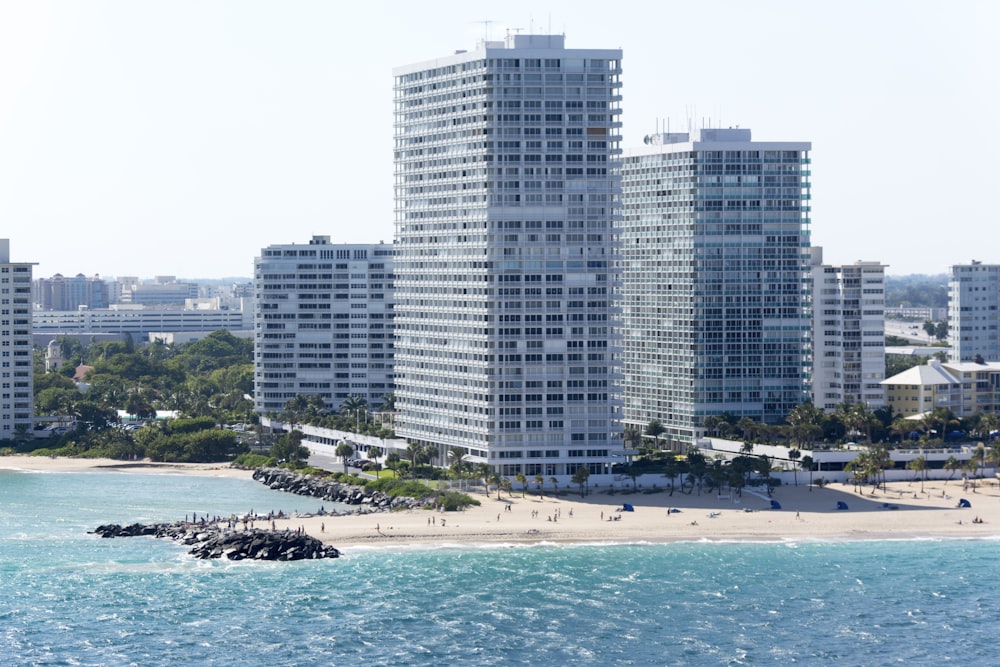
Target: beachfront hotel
[(848, 333), (16, 394), (974, 312), (507, 271), (323, 319), (715, 245)]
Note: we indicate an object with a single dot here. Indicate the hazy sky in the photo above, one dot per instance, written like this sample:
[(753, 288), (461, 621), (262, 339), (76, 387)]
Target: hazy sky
[(181, 137)]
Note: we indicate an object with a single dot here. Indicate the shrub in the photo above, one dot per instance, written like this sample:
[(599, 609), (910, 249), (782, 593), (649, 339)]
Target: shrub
[(452, 501)]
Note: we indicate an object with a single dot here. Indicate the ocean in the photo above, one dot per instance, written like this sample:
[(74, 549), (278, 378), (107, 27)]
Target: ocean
[(70, 598)]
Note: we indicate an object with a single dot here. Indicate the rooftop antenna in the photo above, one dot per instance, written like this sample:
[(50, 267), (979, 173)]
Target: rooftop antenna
[(516, 31), (486, 28)]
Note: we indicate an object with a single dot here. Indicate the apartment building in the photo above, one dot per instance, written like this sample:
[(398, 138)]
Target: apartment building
[(16, 394), (323, 323), (507, 269), (717, 312)]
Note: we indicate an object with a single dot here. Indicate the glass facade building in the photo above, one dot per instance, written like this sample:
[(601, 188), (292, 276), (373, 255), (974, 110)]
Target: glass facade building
[(716, 280), (507, 270)]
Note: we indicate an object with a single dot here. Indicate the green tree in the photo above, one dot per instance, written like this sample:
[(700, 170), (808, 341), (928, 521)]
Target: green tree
[(919, 466), (952, 464), (808, 463), (344, 450), (655, 429), (580, 478), (289, 448), (794, 455), (539, 483), (523, 481), (392, 463)]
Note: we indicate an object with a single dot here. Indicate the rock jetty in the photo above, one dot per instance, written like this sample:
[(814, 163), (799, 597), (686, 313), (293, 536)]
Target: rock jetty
[(208, 541), (282, 479)]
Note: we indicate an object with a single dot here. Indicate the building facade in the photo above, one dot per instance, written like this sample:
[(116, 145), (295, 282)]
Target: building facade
[(848, 334), (61, 293), (974, 312), (715, 238), (507, 272), (323, 323), (16, 382), (965, 388)]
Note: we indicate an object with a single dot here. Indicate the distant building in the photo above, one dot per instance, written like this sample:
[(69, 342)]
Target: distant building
[(61, 293), (323, 323), (974, 312), (848, 333), (162, 291), (119, 321), (16, 382), (922, 313)]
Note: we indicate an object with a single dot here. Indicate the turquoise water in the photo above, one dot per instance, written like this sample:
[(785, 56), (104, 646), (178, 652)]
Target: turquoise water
[(68, 598)]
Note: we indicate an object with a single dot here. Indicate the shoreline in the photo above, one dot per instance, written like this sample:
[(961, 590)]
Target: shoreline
[(903, 512)]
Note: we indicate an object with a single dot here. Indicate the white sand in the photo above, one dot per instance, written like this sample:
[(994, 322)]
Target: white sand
[(63, 464), (805, 513)]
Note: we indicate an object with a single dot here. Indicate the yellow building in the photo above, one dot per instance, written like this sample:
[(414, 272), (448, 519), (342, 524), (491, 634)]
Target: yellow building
[(965, 388)]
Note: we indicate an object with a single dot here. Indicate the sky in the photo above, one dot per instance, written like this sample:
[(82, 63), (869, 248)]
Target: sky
[(180, 138)]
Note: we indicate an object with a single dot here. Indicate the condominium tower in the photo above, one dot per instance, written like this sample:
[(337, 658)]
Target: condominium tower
[(322, 323), (848, 333), (715, 247), (507, 271), (16, 395), (974, 312)]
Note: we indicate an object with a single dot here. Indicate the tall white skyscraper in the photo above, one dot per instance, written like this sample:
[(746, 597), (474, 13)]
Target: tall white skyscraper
[(848, 333), (717, 302), (507, 274), (974, 312), (16, 394), (322, 323)]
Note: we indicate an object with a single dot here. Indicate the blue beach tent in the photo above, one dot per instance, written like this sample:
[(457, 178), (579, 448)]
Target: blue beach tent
[(841, 505), (775, 505), (627, 508), (964, 503)]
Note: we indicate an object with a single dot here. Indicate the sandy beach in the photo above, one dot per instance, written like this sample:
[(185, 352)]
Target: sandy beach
[(901, 512)]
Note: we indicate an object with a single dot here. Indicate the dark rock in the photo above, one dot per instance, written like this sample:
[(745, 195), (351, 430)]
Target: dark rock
[(213, 541)]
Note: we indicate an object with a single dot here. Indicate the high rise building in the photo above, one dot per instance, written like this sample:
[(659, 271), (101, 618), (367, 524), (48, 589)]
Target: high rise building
[(848, 333), (16, 394), (507, 274), (61, 293), (717, 302), (323, 322), (974, 312)]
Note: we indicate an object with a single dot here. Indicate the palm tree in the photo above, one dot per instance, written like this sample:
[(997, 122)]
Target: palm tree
[(352, 406), (344, 451), (539, 482), (506, 485), (392, 463), (918, 465), (655, 429), (632, 436), (414, 451), (805, 421), (523, 481), (807, 463), (952, 464), (671, 470), (456, 455), (580, 477), (494, 480), (555, 484), (794, 455)]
